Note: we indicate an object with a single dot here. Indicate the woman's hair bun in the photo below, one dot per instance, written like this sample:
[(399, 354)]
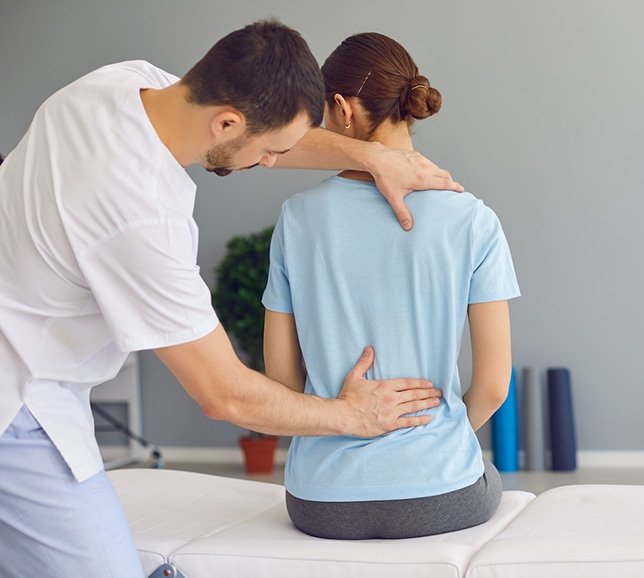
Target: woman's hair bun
[(419, 99), (382, 74)]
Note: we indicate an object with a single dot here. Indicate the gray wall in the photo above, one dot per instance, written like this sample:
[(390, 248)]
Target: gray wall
[(543, 117)]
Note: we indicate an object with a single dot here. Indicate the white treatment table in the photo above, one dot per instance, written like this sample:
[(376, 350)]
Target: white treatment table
[(188, 525)]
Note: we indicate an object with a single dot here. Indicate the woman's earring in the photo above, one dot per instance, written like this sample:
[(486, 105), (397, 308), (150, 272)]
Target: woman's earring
[(347, 126)]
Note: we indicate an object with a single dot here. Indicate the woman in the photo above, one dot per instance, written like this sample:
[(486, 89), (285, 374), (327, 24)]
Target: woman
[(343, 275)]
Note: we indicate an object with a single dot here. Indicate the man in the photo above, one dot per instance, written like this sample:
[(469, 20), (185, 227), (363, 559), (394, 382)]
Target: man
[(98, 258)]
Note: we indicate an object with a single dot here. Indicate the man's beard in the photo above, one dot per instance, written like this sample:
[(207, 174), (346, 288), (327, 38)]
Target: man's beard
[(220, 159)]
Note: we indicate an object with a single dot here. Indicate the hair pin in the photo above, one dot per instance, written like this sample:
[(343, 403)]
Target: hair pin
[(363, 83)]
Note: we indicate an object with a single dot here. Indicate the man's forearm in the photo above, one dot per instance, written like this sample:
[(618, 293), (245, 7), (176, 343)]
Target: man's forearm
[(211, 373), (364, 408), (226, 389), (325, 150), (396, 172), (266, 406)]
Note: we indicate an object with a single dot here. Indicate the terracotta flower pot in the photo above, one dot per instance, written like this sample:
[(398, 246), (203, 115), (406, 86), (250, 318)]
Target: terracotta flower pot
[(259, 453)]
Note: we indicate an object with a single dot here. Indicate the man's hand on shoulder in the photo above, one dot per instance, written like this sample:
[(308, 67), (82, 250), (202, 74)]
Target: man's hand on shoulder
[(397, 173)]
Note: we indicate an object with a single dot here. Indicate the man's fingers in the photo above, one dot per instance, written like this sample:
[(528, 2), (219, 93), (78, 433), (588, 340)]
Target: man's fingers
[(443, 180), (416, 388), (417, 396), (452, 185), (391, 403), (418, 405), (413, 421)]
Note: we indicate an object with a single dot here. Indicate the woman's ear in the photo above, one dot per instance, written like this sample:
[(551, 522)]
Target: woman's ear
[(345, 109)]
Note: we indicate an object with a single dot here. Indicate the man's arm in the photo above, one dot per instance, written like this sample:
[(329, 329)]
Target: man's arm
[(396, 172), (226, 389), (491, 360)]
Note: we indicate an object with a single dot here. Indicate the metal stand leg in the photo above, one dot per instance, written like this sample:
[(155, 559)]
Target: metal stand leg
[(155, 452)]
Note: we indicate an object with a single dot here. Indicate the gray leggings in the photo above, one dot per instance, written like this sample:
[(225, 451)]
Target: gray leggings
[(411, 518)]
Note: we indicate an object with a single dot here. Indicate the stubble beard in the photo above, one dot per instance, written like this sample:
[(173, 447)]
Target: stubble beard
[(220, 159)]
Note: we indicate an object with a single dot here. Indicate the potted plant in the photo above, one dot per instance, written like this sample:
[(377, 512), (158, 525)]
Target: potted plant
[(240, 279)]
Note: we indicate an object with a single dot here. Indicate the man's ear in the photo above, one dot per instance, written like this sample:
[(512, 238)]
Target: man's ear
[(226, 123)]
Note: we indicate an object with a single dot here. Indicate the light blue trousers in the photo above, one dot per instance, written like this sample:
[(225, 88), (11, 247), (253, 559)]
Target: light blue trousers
[(52, 526)]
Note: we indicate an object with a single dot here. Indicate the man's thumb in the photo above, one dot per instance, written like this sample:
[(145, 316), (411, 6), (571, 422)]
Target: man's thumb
[(364, 363)]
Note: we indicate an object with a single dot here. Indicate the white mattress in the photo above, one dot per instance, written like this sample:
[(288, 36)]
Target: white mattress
[(572, 531), (210, 526)]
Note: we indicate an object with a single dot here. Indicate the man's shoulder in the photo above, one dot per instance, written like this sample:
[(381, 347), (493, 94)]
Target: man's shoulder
[(108, 86), (136, 71)]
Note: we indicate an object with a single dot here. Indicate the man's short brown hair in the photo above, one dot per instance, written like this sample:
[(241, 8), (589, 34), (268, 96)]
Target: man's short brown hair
[(266, 71)]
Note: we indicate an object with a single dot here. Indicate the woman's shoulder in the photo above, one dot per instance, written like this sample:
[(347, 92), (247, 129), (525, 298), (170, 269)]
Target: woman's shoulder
[(443, 202), (328, 189)]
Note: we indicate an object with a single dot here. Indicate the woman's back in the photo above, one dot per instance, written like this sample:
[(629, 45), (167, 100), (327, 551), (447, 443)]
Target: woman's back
[(342, 265), (344, 275)]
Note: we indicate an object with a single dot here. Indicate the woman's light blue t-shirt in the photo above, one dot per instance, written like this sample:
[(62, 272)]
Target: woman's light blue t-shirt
[(352, 277)]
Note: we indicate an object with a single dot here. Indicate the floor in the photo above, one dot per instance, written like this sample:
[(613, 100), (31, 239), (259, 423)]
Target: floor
[(535, 482)]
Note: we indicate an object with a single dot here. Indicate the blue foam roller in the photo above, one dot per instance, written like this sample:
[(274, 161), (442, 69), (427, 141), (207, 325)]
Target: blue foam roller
[(505, 432), (562, 427)]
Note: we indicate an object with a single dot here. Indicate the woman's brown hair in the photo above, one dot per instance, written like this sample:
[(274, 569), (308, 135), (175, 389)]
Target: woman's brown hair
[(382, 74)]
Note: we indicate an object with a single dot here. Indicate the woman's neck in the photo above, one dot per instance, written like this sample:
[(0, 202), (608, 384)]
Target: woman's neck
[(395, 136)]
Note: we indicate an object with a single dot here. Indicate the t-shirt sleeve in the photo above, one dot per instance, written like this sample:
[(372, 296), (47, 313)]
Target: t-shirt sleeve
[(277, 296), (493, 277), (147, 285)]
